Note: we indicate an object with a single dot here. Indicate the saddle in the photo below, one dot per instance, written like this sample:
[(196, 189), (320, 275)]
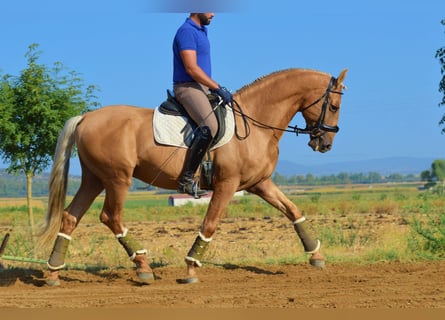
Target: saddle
[(172, 107), (173, 126)]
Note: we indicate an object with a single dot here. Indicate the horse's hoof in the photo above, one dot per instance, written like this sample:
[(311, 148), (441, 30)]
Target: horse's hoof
[(318, 263), (52, 282), (187, 280), (146, 277)]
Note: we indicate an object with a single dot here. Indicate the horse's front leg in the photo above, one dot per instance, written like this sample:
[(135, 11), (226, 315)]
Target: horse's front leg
[(270, 193), (221, 197)]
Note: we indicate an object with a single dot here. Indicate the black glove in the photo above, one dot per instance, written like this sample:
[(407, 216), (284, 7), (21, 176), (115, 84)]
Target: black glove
[(225, 94)]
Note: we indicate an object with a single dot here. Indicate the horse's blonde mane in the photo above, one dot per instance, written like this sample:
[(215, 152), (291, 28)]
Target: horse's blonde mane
[(271, 75)]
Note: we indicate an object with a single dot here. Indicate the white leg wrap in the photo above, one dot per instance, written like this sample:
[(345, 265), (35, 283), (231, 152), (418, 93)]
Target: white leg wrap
[(52, 268), (130, 245), (142, 251), (310, 245), (302, 219), (316, 249), (196, 261), (57, 258), (198, 249), (121, 235), (204, 238), (63, 235)]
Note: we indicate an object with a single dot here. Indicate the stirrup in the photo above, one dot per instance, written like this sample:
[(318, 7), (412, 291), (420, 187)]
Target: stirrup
[(192, 188)]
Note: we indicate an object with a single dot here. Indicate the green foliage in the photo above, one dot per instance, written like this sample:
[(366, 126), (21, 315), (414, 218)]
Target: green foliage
[(14, 186), (435, 178), (34, 108), (425, 175), (347, 237), (341, 178), (440, 55), (438, 169), (428, 230), (356, 196), (20, 244), (355, 224), (315, 197)]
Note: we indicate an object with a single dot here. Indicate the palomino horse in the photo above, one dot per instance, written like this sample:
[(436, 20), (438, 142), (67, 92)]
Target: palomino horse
[(116, 143)]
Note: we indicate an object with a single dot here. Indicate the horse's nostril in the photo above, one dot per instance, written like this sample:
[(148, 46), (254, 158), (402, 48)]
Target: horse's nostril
[(325, 148)]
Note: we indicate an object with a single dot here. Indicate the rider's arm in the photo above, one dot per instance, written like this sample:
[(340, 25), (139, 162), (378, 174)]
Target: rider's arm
[(194, 70)]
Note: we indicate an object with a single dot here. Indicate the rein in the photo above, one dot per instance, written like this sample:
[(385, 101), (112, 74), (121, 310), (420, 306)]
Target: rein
[(316, 130)]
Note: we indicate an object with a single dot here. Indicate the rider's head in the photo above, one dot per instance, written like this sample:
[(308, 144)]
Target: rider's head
[(203, 19)]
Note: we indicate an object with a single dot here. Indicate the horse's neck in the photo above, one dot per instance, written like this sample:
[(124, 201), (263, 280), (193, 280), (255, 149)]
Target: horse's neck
[(276, 99)]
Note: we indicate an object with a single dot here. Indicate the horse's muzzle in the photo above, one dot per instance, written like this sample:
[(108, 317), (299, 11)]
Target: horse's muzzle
[(319, 144)]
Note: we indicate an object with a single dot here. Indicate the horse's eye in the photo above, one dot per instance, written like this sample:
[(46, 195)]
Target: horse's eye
[(333, 108)]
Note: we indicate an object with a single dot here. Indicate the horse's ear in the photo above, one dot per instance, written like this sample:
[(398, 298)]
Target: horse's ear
[(342, 76)]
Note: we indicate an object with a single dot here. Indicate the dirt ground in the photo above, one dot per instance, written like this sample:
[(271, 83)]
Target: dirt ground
[(393, 285), (229, 286)]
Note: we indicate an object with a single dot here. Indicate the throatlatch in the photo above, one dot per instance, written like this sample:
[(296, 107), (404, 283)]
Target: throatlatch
[(129, 244), (57, 258), (198, 249), (310, 245)]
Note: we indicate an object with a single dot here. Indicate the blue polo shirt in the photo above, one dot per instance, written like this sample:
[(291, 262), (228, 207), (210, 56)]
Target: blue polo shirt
[(190, 36)]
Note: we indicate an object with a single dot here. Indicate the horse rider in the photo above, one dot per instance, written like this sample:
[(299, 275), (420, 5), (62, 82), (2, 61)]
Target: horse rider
[(191, 83)]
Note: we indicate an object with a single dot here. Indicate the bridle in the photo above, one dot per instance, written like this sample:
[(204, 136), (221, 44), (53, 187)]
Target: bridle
[(316, 130), (320, 127)]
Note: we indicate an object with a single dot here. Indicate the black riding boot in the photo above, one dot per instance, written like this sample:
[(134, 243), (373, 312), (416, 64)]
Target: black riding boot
[(194, 157)]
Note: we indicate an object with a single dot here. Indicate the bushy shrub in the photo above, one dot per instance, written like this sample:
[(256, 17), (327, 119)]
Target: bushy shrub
[(428, 230)]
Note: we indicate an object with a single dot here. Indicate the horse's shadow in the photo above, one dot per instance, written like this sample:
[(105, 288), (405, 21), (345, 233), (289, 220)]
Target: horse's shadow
[(36, 277), (9, 276), (230, 266)]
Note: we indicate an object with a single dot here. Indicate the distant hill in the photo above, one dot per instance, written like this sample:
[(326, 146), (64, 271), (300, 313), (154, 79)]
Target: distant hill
[(385, 166)]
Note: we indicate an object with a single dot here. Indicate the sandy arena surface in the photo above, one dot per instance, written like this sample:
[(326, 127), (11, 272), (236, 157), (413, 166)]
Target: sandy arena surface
[(339, 285), (393, 285)]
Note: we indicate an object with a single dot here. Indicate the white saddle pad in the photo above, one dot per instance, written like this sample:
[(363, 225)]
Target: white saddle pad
[(176, 131)]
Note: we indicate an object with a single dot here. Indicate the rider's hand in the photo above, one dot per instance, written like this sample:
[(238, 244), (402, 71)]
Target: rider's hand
[(225, 94)]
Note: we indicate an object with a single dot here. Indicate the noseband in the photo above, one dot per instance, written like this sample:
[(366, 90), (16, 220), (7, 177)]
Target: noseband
[(320, 127)]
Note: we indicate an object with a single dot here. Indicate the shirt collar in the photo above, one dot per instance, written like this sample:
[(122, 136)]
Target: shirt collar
[(193, 23)]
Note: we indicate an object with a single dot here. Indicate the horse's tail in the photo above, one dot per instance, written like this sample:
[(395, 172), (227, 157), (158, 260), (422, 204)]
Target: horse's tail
[(58, 183)]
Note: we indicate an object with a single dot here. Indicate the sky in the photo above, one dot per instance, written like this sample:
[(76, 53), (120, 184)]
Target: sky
[(390, 108)]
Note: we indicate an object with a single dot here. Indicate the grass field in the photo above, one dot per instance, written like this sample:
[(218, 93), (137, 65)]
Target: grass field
[(356, 223)]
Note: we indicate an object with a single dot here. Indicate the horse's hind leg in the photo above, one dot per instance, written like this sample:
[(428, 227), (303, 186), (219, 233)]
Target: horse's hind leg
[(270, 192), (89, 189), (111, 216)]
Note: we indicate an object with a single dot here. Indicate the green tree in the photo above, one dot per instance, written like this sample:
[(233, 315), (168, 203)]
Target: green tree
[(310, 178), (436, 176), (279, 179), (343, 178), (395, 177), (34, 107), (374, 177), (438, 173), (440, 54), (425, 175), (438, 169)]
